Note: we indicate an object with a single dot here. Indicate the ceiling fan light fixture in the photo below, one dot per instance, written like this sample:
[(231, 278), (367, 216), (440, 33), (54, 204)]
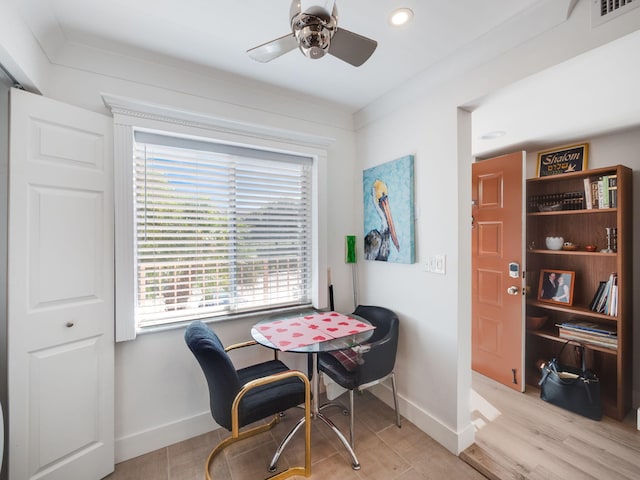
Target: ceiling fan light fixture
[(400, 16), (314, 41)]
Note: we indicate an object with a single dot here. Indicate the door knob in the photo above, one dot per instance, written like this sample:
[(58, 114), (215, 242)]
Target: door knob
[(513, 290)]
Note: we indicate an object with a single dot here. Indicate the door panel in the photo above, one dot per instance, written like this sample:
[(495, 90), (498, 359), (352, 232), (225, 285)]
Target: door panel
[(51, 406), (60, 299), (65, 256), (489, 239), (497, 236)]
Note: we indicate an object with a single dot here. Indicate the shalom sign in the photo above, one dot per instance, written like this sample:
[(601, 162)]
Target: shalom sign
[(567, 160)]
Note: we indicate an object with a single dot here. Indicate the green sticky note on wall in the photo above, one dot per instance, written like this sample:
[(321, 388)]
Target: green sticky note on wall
[(350, 249)]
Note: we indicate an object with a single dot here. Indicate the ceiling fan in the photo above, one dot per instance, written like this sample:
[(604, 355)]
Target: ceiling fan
[(315, 32)]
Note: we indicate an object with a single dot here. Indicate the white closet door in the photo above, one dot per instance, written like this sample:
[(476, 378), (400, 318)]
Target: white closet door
[(60, 299)]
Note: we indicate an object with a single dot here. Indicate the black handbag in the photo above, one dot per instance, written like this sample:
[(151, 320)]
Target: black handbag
[(575, 389)]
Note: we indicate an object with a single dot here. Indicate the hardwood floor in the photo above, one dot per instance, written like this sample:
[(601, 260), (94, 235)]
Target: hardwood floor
[(385, 452), (518, 437), (521, 437)]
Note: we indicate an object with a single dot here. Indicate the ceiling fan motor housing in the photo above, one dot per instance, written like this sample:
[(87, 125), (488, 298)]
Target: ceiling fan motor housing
[(314, 30), (314, 40)]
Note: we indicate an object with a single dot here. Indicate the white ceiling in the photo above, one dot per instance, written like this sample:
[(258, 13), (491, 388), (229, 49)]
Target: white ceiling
[(217, 33), (592, 94)]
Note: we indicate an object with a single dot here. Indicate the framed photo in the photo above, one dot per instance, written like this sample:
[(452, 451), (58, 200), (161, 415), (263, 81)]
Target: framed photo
[(563, 160), (556, 286)]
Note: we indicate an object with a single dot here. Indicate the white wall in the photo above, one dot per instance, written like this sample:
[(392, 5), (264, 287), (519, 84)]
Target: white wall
[(423, 119), (5, 85), (19, 51)]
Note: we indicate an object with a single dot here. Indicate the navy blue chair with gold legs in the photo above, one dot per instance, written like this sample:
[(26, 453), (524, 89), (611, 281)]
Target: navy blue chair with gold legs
[(240, 397)]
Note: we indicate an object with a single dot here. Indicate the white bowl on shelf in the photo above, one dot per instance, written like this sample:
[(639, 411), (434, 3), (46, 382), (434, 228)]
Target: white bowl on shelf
[(554, 243)]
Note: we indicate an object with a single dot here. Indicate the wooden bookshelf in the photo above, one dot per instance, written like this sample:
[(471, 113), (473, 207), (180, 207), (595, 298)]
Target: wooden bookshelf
[(582, 227)]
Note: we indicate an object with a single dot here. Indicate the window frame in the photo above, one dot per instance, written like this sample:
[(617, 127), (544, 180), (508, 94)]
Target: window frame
[(130, 114)]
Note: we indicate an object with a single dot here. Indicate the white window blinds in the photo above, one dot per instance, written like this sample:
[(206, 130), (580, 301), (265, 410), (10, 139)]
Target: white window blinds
[(219, 229)]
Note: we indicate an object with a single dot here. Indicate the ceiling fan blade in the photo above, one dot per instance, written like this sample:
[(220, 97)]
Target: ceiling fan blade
[(268, 51), (351, 47)]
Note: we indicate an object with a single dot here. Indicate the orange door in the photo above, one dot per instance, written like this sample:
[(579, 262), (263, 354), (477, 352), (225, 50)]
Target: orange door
[(497, 293)]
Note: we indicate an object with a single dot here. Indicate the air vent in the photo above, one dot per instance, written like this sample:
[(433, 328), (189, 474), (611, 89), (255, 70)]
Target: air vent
[(605, 10)]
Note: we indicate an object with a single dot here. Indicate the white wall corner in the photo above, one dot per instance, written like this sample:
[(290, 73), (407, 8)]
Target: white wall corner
[(20, 53), (37, 15)]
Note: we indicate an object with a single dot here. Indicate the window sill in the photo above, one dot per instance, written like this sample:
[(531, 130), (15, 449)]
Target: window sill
[(254, 316)]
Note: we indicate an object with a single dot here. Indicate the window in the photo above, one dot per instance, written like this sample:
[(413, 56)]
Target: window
[(260, 163), (219, 229)]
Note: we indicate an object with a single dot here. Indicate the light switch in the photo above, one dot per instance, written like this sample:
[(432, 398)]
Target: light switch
[(435, 264)]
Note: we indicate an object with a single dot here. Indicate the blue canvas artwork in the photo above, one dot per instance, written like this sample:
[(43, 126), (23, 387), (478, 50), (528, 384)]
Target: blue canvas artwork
[(388, 211)]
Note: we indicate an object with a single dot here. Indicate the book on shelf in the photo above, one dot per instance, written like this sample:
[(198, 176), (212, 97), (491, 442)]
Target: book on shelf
[(590, 327), (597, 295), (602, 300), (593, 182), (613, 191), (612, 301), (588, 201), (600, 342), (608, 339), (588, 332), (611, 307), (605, 299), (603, 191)]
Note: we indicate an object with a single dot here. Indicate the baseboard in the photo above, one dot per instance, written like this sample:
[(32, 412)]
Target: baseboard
[(453, 441), (147, 441)]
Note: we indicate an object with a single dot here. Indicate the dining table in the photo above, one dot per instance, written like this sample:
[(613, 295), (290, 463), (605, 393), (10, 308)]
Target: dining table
[(312, 333)]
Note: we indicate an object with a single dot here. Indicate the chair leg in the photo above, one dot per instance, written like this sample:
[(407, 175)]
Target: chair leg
[(284, 443), (351, 422), (395, 398), (291, 471), (233, 439)]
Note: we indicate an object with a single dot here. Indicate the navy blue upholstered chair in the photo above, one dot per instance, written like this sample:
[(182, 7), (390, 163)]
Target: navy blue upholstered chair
[(240, 397), (374, 360)]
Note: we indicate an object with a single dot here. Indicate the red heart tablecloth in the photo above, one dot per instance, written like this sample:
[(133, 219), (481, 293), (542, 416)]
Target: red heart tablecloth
[(297, 332)]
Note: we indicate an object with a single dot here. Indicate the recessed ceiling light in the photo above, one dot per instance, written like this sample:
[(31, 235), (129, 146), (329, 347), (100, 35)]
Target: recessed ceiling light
[(400, 16), (494, 134)]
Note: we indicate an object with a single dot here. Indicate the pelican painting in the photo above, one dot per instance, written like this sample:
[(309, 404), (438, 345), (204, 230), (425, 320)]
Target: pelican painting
[(377, 242), (388, 211)]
